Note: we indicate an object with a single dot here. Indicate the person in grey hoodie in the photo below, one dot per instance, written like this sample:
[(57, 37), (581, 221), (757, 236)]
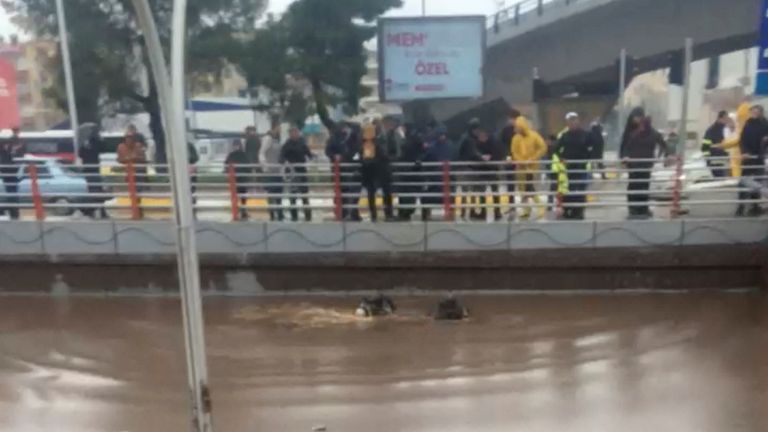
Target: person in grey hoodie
[(269, 156)]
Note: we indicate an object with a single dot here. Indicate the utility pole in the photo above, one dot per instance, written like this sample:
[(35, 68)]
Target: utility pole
[(622, 91), (68, 80), (683, 129), (423, 8), (171, 97)]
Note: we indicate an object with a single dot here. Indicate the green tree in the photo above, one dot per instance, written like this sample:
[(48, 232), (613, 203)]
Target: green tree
[(322, 41), (109, 54)]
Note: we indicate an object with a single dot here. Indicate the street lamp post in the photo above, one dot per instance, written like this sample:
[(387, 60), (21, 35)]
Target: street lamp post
[(683, 130), (171, 98), (68, 80)]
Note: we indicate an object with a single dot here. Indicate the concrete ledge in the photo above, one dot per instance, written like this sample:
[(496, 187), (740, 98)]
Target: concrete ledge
[(141, 238), (467, 237), (385, 238), (585, 269), (304, 238), (20, 238), (236, 238), (96, 238), (639, 233), (240, 240)]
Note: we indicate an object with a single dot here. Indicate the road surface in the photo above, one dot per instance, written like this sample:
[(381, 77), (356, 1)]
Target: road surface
[(634, 363)]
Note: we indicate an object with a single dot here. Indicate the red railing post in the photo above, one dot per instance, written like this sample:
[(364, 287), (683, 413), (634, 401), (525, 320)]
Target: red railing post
[(37, 198), (447, 196), (337, 196), (677, 192), (133, 191), (234, 199)]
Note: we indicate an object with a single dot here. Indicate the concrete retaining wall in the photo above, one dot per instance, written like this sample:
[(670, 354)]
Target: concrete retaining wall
[(253, 258), (135, 239)]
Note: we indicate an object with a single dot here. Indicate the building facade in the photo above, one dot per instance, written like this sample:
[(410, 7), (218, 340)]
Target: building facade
[(34, 74)]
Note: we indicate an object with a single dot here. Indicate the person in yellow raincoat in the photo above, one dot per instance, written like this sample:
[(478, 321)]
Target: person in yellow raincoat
[(528, 147), (733, 144)]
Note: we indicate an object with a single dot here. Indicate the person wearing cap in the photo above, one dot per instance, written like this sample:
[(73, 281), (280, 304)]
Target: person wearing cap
[(528, 147), (754, 138), (574, 149), (639, 144), (712, 149)]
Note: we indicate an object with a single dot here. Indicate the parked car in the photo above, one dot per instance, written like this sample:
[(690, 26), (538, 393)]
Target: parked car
[(663, 179), (59, 184)]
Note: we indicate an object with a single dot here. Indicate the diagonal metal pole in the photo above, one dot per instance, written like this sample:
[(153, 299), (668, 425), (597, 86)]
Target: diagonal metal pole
[(68, 79), (171, 98)]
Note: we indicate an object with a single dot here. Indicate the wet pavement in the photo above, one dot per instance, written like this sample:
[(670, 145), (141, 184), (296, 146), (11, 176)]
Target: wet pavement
[(630, 362)]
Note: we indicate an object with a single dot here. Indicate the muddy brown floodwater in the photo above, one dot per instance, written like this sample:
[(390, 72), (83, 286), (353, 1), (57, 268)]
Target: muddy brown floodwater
[(675, 362)]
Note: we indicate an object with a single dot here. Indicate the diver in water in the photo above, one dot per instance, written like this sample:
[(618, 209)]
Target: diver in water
[(380, 305), (451, 309)]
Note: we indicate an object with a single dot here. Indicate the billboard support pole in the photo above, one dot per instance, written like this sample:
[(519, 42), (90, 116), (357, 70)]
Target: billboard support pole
[(683, 130), (622, 90), (171, 98), (68, 80)]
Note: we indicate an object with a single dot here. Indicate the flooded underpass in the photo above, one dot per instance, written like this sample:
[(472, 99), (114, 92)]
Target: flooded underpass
[(629, 362)]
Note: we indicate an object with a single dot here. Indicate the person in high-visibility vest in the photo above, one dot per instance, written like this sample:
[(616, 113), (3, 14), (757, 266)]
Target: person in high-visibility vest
[(574, 148), (715, 154)]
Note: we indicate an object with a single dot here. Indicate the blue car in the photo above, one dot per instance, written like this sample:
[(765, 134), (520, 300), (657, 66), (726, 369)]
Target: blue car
[(60, 184)]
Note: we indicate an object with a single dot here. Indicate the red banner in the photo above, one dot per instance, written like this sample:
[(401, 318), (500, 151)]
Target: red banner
[(9, 100)]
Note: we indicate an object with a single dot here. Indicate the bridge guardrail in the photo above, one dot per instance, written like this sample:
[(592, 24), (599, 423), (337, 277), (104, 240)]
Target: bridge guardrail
[(523, 10), (446, 191)]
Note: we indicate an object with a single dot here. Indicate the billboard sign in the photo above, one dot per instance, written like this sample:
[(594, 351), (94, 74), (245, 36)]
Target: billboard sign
[(431, 58), (761, 83), (9, 102)]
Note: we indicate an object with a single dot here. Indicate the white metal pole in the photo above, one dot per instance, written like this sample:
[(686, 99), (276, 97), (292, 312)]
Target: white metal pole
[(683, 129), (622, 91), (189, 268), (172, 108), (68, 80), (423, 7)]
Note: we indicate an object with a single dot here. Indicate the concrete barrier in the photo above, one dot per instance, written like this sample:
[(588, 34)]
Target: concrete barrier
[(129, 238), (256, 258)]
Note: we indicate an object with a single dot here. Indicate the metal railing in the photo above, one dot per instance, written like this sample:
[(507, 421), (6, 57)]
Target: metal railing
[(481, 191), (522, 10)]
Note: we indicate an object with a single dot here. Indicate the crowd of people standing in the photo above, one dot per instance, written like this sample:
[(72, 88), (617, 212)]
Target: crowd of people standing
[(406, 161)]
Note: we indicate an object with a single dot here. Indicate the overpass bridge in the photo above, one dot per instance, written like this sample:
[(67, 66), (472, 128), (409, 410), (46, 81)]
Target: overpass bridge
[(575, 44)]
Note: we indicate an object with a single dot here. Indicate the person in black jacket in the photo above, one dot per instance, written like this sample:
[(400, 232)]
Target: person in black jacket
[(491, 154), (295, 153), (598, 148), (470, 154), (238, 158), (716, 156), (574, 148), (439, 150), (753, 141), (90, 150), (392, 143), (344, 145), (409, 175), (376, 170), (9, 151), (639, 144)]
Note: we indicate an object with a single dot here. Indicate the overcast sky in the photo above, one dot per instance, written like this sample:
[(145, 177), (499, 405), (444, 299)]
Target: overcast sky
[(411, 7)]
